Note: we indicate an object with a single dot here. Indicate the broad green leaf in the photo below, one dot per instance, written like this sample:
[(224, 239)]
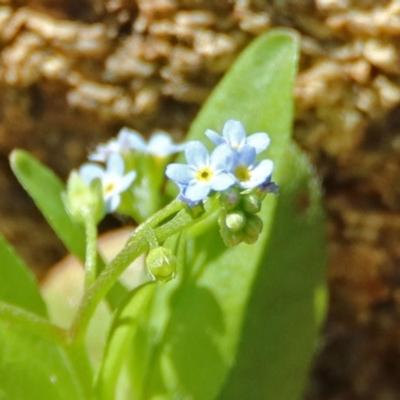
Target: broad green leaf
[(33, 367), (46, 190), (284, 314), (17, 283)]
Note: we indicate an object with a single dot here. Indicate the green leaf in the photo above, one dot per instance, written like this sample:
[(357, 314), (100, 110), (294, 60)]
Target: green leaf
[(17, 284), (33, 366), (46, 190), (285, 309)]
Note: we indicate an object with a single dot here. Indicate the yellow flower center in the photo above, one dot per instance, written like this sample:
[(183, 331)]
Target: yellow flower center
[(204, 174), (108, 188), (242, 173)]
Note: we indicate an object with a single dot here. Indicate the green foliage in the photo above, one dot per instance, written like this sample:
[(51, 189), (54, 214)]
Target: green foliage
[(18, 285), (33, 367), (47, 190)]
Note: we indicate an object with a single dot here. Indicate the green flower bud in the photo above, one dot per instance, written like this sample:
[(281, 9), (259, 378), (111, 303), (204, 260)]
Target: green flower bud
[(252, 229), (161, 264), (83, 200), (235, 221), (229, 237), (229, 199), (232, 239), (251, 203)]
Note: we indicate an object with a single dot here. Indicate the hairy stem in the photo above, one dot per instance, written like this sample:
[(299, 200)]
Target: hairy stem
[(136, 245)]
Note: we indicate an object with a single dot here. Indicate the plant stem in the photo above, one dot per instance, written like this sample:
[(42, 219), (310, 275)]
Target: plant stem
[(136, 245), (91, 251)]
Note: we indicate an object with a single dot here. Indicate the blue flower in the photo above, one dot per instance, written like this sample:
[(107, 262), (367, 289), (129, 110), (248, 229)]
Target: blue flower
[(248, 173), (118, 145), (159, 145), (112, 178), (203, 172), (234, 135)]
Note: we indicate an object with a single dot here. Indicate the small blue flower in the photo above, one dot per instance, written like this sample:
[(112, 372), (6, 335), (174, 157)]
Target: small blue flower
[(112, 178), (248, 173), (182, 197), (118, 145), (159, 145), (203, 172), (234, 135)]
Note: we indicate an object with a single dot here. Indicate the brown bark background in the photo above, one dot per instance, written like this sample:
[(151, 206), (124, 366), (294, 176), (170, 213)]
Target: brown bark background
[(72, 73)]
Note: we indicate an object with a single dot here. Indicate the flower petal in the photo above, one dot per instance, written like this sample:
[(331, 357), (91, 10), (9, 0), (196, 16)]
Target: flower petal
[(221, 182), (115, 164), (260, 141), (135, 140), (214, 137), (234, 133), (180, 173), (197, 191), (161, 144), (126, 181), (112, 203), (196, 154), (260, 174), (246, 155), (222, 158), (90, 171)]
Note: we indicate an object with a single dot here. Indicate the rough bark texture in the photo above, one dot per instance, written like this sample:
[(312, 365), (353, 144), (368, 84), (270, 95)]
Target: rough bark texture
[(73, 72)]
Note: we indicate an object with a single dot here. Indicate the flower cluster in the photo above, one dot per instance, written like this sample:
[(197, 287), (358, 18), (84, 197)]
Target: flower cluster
[(159, 145), (231, 164), (231, 171), (118, 163), (128, 174)]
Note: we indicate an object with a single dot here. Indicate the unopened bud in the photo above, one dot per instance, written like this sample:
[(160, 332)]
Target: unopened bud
[(83, 199), (252, 229), (161, 264), (229, 237), (232, 239), (235, 221), (229, 199), (251, 203)]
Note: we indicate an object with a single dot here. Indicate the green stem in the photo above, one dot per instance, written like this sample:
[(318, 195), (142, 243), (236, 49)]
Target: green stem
[(136, 245), (79, 358), (151, 238), (91, 251)]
